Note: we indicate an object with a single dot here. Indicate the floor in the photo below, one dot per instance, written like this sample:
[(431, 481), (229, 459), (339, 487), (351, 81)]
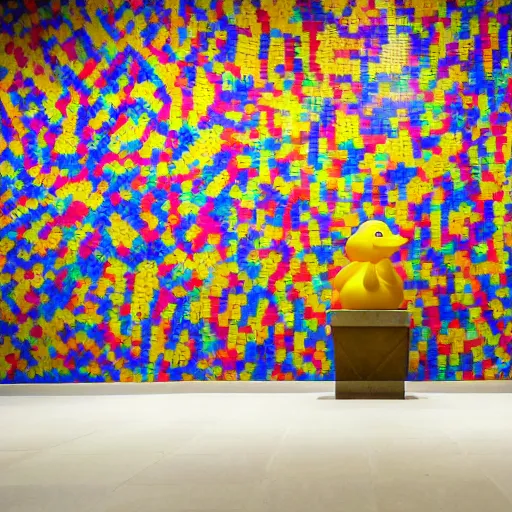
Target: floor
[(255, 452)]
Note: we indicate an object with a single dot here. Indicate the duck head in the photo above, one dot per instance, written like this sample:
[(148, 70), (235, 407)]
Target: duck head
[(373, 241)]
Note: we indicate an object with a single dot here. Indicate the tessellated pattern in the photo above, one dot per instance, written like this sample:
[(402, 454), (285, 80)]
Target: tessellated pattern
[(178, 179)]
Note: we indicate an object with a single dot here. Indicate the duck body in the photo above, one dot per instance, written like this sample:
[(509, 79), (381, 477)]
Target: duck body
[(372, 286), (370, 280)]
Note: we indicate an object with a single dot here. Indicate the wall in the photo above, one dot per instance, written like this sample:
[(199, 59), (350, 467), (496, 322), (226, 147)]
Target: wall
[(178, 180)]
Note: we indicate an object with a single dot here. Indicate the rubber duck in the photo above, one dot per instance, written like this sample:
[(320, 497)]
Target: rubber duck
[(370, 281)]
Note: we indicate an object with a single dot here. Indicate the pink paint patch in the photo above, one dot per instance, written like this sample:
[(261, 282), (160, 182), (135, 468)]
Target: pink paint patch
[(165, 297), (85, 251), (149, 235), (89, 246), (32, 298), (62, 104), (115, 198), (70, 48), (50, 139), (75, 213), (123, 251)]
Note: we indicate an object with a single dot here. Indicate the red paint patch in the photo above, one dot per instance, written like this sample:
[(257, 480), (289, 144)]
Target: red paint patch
[(36, 331), (20, 57), (31, 5), (147, 202), (89, 67), (35, 36), (138, 182), (125, 309)]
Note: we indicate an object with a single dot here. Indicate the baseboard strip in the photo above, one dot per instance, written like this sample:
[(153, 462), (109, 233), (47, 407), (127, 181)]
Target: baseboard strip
[(494, 386)]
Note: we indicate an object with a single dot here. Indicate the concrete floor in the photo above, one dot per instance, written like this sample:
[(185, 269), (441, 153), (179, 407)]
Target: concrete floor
[(255, 452)]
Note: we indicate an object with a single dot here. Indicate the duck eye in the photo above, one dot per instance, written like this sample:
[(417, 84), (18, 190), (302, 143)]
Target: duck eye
[(379, 234)]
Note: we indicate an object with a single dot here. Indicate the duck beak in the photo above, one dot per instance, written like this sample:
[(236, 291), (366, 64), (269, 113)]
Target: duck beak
[(393, 241)]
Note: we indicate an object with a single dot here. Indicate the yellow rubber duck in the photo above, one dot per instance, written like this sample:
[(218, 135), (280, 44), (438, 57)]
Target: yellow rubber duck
[(370, 280)]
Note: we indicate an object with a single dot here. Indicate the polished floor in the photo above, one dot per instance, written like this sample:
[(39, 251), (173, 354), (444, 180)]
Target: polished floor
[(258, 452)]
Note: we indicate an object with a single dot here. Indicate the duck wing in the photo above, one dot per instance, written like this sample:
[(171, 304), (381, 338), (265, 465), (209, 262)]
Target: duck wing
[(371, 279), (387, 272)]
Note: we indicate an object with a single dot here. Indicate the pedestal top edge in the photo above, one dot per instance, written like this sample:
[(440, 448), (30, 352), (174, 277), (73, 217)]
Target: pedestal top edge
[(369, 311), (370, 317)]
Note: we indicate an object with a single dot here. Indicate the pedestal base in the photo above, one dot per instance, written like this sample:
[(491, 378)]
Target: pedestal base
[(369, 389), (371, 351)]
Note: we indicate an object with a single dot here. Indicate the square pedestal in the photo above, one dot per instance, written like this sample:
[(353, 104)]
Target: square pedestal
[(371, 352)]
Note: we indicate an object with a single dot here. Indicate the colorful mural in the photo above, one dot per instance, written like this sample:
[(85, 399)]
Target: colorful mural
[(178, 180)]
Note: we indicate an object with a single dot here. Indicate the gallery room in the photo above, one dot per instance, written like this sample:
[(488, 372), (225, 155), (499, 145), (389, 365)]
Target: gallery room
[(255, 255)]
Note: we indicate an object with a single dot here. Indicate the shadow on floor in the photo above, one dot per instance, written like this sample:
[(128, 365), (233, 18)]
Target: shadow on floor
[(407, 397)]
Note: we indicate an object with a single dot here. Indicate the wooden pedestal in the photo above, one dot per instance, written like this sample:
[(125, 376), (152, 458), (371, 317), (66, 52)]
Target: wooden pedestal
[(371, 352)]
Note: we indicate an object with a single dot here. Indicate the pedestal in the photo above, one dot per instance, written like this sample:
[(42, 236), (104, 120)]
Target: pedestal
[(371, 352)]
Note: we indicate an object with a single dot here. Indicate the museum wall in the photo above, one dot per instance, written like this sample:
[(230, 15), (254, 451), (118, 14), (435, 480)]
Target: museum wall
[(178, 181)]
